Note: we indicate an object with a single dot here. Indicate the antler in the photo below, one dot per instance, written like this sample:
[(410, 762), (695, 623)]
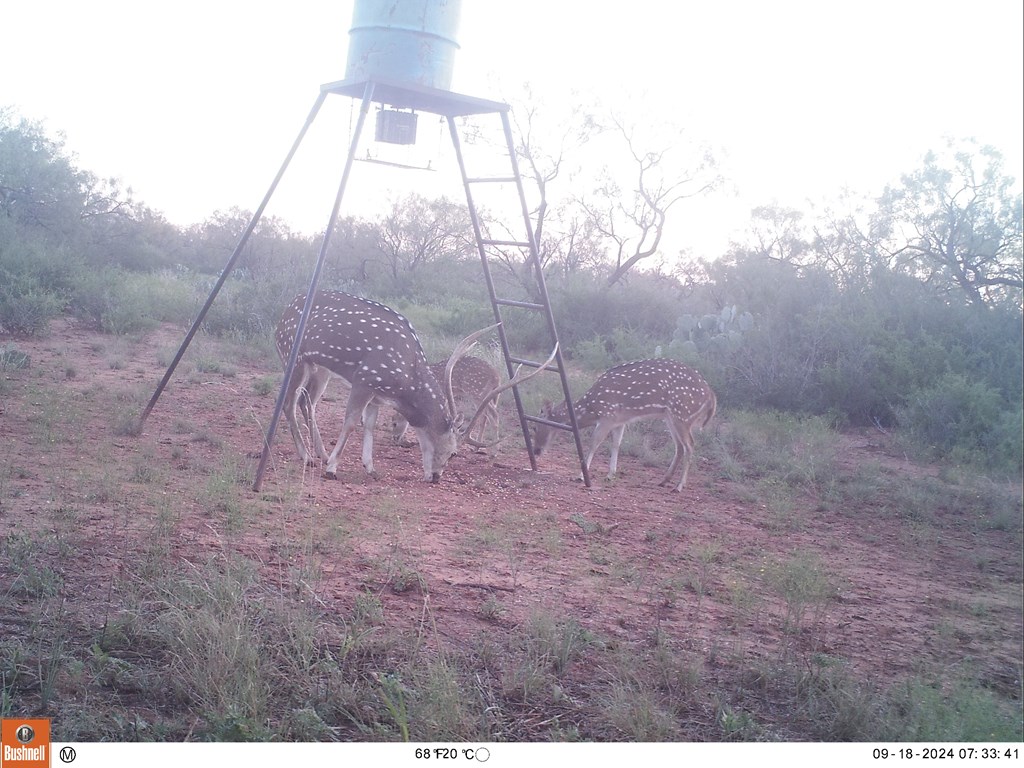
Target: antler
[(494, 393), (460, 351)]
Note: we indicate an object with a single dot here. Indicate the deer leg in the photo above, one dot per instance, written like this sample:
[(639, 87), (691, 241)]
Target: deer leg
[(358, 399), (399, 429), (687, 450), (490, 416), (677, 454), (313, 393), (497, 422), (369, 422), (613, 463), (601, 431), (683, 440), (296, 397)]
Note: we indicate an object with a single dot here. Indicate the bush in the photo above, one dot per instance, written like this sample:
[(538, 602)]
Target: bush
[(645, 307), (1006, 441), (456, 317), (621, 346), (33, 284), (800, 450), (13, 359), (26, 308), (964, 419), (248, 309), (105, 301)]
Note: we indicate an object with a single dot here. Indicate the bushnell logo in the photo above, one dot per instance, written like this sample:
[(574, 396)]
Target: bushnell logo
[(26, 743)]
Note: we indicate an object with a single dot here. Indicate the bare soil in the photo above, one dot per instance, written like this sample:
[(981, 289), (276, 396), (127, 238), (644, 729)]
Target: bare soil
[(494, 542)]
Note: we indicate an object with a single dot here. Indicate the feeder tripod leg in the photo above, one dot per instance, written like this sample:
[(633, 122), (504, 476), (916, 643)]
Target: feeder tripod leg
[(231, 262), (313, 283)]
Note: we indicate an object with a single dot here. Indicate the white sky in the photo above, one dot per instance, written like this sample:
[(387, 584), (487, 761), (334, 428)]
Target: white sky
[(194, 104)]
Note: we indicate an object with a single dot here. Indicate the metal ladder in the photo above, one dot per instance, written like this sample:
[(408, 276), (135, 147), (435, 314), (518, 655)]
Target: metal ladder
[(450, 105), (528, 247)]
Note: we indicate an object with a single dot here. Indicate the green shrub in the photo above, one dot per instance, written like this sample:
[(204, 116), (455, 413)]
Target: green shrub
[(960, 710), (106, 300), (246, 309), (32, 285), (800, 451), (13, 359), (455, 318), (621, 346), (645, 307), (1007, 444), (26, 308), (964, 419)]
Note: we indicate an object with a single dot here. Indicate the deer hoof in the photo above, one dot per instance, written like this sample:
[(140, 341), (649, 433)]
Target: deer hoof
[(330, 474)]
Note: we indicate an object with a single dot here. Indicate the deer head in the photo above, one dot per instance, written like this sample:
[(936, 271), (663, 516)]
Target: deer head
[(472, 380)]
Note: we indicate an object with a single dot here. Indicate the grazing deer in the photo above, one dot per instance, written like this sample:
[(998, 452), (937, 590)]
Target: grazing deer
[(472, 380), (645, 389), (377, 352)]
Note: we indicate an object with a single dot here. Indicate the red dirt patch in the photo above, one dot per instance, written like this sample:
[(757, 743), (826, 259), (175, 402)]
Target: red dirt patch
[(494, 542)]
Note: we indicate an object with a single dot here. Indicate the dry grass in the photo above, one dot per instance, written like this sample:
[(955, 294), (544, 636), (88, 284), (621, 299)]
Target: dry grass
[(243, 638)]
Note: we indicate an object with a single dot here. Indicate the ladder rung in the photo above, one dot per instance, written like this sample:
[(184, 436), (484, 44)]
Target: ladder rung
[(511, 243), (492, 179), (520, 304), (542, 420), (531, 363)]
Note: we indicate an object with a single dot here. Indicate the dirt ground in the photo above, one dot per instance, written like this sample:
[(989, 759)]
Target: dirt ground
[(622, 558)]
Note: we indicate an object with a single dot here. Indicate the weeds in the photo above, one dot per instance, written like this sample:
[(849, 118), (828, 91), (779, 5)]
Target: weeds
[(31, 578), (958, 711), (126, 423), (392, 694), (805, 589), (224, 648), (404, 579), (700, 580), (491, 609), (504, 541), (13, 359), (737, 724), (213, 627), (223, 492), (555, 644), (797, 451), (264, 385), (368, 609), (637, 714)]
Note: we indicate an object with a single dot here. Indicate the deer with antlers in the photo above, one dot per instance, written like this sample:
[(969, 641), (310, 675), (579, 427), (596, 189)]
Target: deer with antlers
[(472, 380), (645, 389), (376, 350)]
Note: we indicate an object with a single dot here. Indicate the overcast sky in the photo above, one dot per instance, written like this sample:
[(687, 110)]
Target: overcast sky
[(194, 104)]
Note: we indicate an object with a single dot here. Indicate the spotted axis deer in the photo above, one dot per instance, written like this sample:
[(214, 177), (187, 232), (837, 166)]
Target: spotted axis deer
[(376, 350), (645, 389), (472, 380)]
